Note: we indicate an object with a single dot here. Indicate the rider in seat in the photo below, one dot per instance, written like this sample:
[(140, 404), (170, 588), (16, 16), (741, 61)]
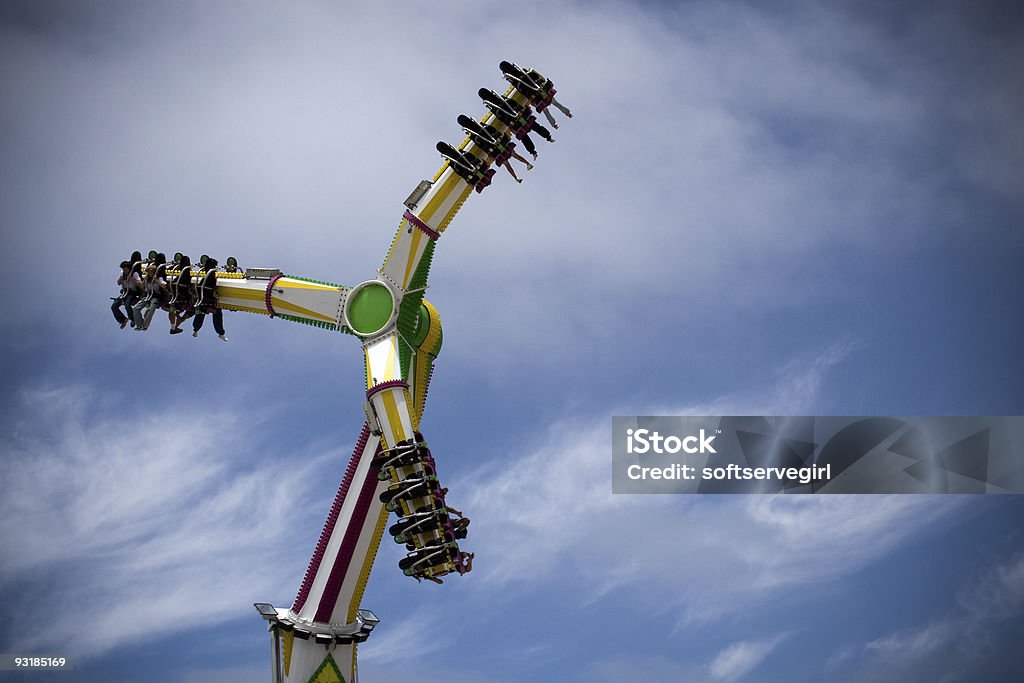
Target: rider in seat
[(497, 145), (207, 302), (182, 301), (121, 300)]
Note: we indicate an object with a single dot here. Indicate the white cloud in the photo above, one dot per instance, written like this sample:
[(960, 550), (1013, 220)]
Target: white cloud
[(912, 644), (137, 523), (411, 639), (644, 668), (728, 154), (731, 663), (684, 170), (998, 595), (739, 659), (547, 516), (956, 646), (796, 388)]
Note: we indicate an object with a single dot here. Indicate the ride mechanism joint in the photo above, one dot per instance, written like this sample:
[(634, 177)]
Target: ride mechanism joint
[(392, 469)]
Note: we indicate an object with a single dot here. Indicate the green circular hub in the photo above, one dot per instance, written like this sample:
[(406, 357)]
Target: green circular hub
[(370, 307)]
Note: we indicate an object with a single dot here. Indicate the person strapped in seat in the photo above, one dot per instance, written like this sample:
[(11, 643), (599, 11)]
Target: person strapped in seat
[(123, 299), (207, 302), (467, 166), (517, 117), (403, 454), (156, 294), (431, 564), (538, 89), (494, 144), (182, 303), (410, 489)]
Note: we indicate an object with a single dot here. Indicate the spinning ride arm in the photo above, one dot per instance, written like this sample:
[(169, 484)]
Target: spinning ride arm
[(268, 292), (391, 469)]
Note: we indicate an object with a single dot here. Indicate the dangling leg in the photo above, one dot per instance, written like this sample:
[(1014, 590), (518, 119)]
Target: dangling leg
[(560, 108), (137, 314), (148, 318), (115, 308), (218, 324), (543, 132), (508, 167), (515, 155), (530, 147), (550, 118)]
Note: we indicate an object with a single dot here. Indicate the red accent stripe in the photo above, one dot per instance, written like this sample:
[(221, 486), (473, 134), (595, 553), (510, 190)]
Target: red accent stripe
[(266, 295), (341, 563), (377, 388), (426, 229), (332, 519)]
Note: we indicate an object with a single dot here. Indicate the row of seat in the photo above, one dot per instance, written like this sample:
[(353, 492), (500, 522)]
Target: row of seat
[(518, 118), (428, 527)]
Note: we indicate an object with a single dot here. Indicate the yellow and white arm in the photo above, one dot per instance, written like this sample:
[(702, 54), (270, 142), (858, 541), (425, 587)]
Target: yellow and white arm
[(269, 292), (326, 609), (429, 210), (328, 600), (391, 469), (387, 390)]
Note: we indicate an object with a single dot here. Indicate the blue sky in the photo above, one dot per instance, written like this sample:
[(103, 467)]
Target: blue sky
[(792, 208)]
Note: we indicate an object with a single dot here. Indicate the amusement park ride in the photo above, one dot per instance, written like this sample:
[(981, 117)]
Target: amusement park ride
[(391, 469)]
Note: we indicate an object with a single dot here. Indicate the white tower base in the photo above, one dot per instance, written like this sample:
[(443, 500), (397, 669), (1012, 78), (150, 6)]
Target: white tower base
[(311, 652)]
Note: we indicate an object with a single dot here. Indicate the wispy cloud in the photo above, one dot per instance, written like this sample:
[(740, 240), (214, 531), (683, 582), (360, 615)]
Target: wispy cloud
[(754, 161), (731, 663), (411, 639), (131, 524), (739, 659), (726, 553), (970, 642), (638, 667), (751, 165), (795, 388)]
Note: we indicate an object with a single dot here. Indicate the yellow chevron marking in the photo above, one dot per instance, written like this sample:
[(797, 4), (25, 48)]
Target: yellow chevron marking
[(328, 672), (389, 369), (455, 209), (414, 382), (287, 637), (280, 305), (243, 309), (417, 236), (288, 283), (394, 416), (228, 292), (245, 294), (404, 225), (447, 187), (364, 573), (422, 364)]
